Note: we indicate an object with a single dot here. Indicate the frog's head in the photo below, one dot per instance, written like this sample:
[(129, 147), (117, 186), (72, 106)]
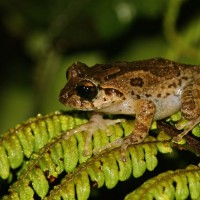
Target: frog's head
[(85, 90), (79, 90)]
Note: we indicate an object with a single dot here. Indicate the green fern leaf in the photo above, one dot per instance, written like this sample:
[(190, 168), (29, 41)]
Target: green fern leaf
[(14, 151), (107, 168), (4, 164), (39, 182), (196, 131), (59, 155), (30, 137), (70, 154), (179, 184)]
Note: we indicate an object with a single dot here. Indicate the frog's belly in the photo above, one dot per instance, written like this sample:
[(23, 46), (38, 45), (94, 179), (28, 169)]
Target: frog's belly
[(164, 107), (167, 106)]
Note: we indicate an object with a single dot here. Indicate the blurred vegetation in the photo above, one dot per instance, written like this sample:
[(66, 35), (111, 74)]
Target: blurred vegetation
[(40, 39)]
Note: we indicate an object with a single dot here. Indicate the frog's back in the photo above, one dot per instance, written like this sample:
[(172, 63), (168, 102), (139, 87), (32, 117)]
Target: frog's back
[(159, 68), (152, 78)]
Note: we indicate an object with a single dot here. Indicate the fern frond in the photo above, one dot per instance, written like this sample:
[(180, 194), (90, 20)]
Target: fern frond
[(179, 184), (30, 137), (64, 153), (55, 166), (108, 169)]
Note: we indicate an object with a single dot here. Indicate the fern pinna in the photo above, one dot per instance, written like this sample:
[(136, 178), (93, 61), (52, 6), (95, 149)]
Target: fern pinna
[(42, 159)]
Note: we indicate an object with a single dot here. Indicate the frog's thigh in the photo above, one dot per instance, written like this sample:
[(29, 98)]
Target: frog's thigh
[(145, 111), (190, 107), (190, 100)]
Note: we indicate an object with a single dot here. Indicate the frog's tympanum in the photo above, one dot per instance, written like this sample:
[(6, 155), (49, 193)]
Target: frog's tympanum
[(149, 89)]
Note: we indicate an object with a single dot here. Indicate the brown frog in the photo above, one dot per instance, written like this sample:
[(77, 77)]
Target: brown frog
[(150, 90)]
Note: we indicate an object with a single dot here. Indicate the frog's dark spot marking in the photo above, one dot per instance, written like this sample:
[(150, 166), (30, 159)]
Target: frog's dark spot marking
[(167, 94), (111, 76), (179, 81), (159, 95), (149, 115), (172, 85), (141, 137), (148, 95), (143, 128), (137, 82), (111, 91), (185, 78), (135, 95)]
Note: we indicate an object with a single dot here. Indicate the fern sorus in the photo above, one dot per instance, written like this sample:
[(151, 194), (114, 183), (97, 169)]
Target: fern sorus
[(48, 159)]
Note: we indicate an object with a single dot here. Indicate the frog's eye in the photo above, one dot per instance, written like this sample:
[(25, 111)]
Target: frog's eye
[(87, 90)]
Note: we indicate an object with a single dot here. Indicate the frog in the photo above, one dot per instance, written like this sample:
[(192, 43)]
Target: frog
[(151, 89)]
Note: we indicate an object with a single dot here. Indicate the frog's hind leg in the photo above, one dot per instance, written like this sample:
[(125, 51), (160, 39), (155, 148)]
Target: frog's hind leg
[(190, 126), (190, 107)]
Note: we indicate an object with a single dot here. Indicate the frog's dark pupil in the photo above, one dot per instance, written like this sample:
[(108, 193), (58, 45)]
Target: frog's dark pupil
[(87, 92)]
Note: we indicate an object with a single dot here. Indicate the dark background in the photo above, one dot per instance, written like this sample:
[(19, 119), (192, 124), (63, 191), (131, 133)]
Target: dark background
[(40, 39)]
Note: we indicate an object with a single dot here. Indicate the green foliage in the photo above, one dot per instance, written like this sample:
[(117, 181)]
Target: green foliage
[(179, 184), (40, 40), (49, 162)]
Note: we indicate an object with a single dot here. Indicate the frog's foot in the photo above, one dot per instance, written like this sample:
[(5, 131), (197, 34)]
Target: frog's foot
[(130, 140), (190, 125), (96, 122), (110, 146), (123, 143)]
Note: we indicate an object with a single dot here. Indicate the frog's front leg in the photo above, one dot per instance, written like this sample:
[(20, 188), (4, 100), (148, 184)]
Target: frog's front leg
[(190, 107), (144, 113), (97, 122)]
